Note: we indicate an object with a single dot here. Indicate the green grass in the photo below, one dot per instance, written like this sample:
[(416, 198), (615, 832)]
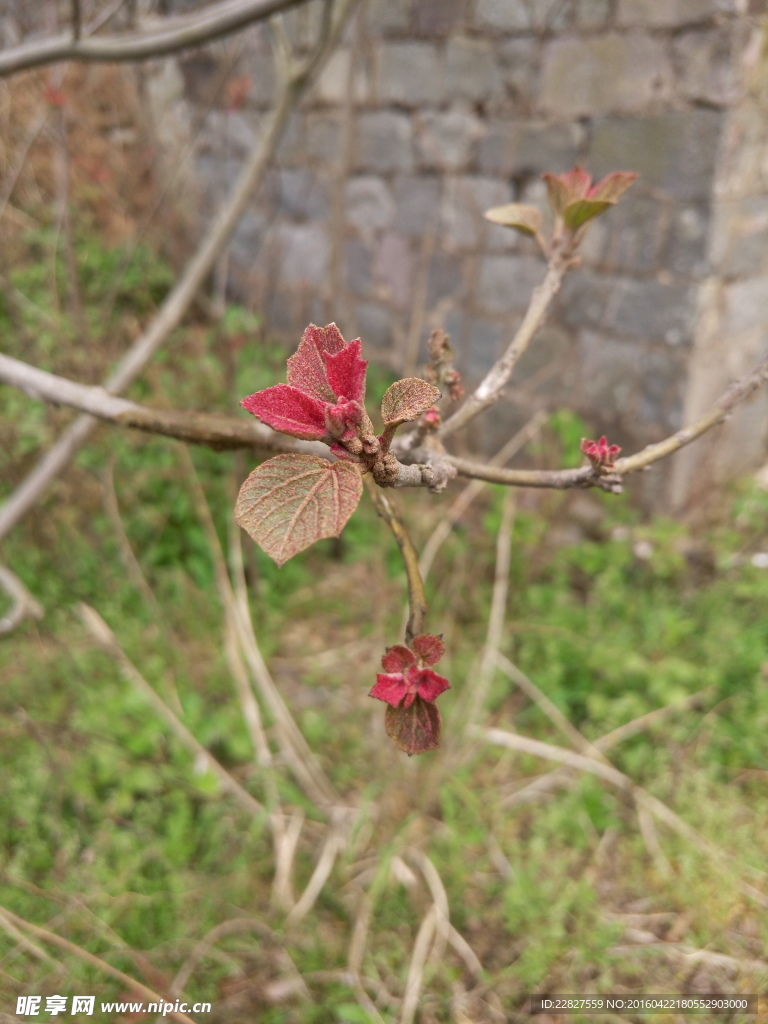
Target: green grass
[(111, 836)]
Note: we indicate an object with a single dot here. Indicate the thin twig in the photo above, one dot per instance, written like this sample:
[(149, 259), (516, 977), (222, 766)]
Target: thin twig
[(490, 388), (101, 965), (175, 34), (417, 602)]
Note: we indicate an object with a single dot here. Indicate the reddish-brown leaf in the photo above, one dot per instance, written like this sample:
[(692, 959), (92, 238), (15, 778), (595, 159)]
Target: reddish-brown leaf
[(415, 729), (407, 399), (430, 648), (306, 367), (291, 501), (345, 371), (289, 410)]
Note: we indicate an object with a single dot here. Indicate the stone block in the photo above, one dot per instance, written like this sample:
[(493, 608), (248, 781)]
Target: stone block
[(333, 83), (417, 204), (248, 237), (471, 72), (505, 283), (446, 279), (637, 386), (446, 141), (689, 240), (599, 75), (410, 74), (523, 16), (374, 325), (635, 231), (358, 267), (675, 151), (304, 252), (746, 307), (389, 16), (740, 237), (437, 17), (709, 68), (477, 341), (393, 271), (465, 200), (514, 148), (302, 195), (671, 13), (647, 310), (369, 205), (384, 142), (503, 15), (324, 138), (593, 14), (519, 66)]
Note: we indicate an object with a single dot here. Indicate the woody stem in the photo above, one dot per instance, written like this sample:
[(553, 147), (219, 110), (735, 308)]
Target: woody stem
[(417, 602)]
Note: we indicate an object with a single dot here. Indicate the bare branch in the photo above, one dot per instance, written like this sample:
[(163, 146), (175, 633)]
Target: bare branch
[(182, 295), (723, 407), (489, 390), (210, 429), (173, 35), (417, 601)]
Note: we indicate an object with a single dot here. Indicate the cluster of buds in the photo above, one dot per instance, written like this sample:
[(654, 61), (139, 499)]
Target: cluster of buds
[(440, 369), (601, 454)]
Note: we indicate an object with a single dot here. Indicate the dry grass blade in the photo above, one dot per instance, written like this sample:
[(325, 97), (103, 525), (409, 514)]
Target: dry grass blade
[(23, 602), (478, 689), (44, 935), (106, 639), (550, 752), (285, 852), (421, 947), (334, 844)]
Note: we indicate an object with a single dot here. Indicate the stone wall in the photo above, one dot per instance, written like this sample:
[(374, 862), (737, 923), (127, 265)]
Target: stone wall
[(430, 112)]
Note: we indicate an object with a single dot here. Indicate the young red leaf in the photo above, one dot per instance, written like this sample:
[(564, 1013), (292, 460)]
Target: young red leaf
[(406, 400), (289, 410), (430, 648), (345, 371), (415, 729), (291, 501), (397, 658), (516, 215), (306, 367)]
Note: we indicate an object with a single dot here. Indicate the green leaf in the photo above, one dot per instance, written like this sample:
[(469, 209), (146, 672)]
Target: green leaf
[(578, 213), (291, 501), (407, 399), (516, 215)]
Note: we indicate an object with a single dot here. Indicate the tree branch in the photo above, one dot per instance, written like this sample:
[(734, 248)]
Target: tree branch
[(182, 295), (417, 601), (489, 390), (216, 430), (175, 34)]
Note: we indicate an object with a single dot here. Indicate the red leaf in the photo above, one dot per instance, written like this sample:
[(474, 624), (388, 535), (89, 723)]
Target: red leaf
[(306, 367), (407, 399), (345, 372), (397, 658), (291, 501), (390, 687), (430, 648), (430, 685), (415, 729), (289, 410)]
